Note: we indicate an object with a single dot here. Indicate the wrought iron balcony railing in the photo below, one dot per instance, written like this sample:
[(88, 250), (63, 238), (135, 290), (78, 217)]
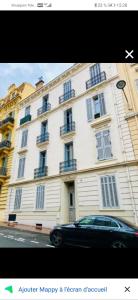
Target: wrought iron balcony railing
[(42, 138), (3, 171), (5, 144), (67, 128), (67, 96), (25, 119), (40, 172), (43, 109), (68, 165), (95, 80), (6, 121)]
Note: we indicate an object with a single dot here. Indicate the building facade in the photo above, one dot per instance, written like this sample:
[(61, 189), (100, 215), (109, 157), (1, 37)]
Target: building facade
[(8, 122), (73, 152)]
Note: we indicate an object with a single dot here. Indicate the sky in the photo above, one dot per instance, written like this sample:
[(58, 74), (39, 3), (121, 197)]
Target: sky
[(28, 72)]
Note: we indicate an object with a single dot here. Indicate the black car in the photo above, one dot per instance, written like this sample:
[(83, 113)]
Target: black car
[(96, 231)]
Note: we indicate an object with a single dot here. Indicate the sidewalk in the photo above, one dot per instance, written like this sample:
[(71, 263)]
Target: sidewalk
[(26, 228)]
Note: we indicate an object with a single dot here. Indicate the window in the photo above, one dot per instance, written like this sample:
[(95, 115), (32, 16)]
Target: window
[(67, 86), (87, 221), (18, 196), (103, 221), (109, 191), (44, 127), (136, 82), (27, 110), (68, 151), (67, 90), (104, 145), (12, 114), (24, 138), (42, 159), (21, 167), (95, 70), (4, 162), (45, 100), (95, 107), (40, 194), (8, 136)]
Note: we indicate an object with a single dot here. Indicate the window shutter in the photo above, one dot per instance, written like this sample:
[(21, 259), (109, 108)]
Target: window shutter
[(99, 145), (107, 144), (102, 104), (136, 81), (67, 86), (40, 197), (18, 195), (89, 109), (109, 191), (24, 138)]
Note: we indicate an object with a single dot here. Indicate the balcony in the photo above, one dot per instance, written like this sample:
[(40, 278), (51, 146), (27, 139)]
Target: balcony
[(95, 80), (40, 172), (67, 96), (43, 109), (6, 124), (3, 174), (67, 129), (42, 139), (25, 119), (68, 165), (5, 146)]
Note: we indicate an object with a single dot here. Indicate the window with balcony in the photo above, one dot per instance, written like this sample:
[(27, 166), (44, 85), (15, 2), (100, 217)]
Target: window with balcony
[(27, 116), (42, 170), (96, 76), (69, 163), (68, 92), (46, 106), (104, 148), (69, 125), (95, 107)]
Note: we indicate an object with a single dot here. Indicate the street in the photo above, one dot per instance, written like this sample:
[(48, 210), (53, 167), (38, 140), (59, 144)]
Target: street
[(15, 238)]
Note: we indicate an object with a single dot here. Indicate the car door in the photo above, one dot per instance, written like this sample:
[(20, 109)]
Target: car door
[(105, 230), (82, 232)]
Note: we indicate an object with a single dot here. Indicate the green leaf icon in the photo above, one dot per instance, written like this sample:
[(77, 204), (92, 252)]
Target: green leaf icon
[(9, 289)]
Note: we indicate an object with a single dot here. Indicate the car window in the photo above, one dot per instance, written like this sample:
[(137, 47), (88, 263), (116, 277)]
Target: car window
[(87, 221), (101, 221)]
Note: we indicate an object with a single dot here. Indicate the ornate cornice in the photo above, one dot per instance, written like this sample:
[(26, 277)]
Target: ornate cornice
[(52, 84)]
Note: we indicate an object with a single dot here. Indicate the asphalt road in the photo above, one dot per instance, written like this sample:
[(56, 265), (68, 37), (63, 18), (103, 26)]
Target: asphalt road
[(15, 238)]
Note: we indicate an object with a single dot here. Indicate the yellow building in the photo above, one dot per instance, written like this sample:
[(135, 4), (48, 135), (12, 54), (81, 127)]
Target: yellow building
[(8, 118), (129, 73)]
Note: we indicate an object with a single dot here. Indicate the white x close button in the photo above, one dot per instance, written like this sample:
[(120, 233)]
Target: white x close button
[(129, 54)]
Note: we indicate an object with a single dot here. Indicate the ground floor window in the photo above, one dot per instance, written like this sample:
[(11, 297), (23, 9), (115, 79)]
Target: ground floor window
[(18, 196), (40, 194), (109, 191)]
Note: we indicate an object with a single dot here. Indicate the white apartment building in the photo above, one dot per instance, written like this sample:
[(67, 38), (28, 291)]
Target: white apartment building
[(74, 155)]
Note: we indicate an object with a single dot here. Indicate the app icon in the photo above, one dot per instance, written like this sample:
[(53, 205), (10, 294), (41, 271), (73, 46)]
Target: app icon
[(9, 289)]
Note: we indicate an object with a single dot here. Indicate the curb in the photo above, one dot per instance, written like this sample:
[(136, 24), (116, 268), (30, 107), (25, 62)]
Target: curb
[(22, 229)]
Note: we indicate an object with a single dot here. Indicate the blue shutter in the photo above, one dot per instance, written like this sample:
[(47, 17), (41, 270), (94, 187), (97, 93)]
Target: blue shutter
[(67, 86), (107, 144), (100, 148), (65, 152), (89, 109), (102, 104), (23, 166), (65, 117)]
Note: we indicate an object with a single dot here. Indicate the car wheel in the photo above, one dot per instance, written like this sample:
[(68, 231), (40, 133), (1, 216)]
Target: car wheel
[(118, 244), (57, 239)]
